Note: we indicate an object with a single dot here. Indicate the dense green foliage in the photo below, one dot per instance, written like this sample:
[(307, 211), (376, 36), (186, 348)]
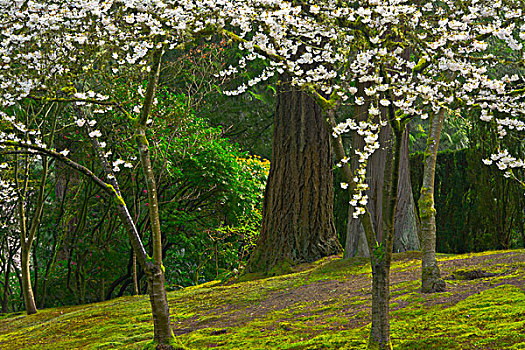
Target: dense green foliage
[(210, 200), (477, 208)]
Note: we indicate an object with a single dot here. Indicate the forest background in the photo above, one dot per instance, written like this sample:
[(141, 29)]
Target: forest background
[(203, 168), (211, 190)]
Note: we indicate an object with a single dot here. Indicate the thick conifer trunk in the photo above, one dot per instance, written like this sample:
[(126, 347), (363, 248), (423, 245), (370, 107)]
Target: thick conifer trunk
[(431, 281), (298, 224), (406, 235)]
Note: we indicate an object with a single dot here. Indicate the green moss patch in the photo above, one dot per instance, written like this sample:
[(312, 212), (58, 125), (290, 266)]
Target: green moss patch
[(324, 305)]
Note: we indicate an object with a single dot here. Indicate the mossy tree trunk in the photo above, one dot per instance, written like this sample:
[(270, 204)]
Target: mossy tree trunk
[(298, 224), (163, 334), (380, 331), (431, 281), (152, 266), (381, 254)]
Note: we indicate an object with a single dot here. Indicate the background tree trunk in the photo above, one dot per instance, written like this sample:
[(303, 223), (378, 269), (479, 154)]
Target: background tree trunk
[(298, 224), (406, 228), (431, 281), (406, 236)]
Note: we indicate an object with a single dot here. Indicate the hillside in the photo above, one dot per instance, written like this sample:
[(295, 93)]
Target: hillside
[(326, 305)]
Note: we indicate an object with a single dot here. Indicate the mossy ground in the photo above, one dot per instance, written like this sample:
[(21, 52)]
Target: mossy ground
[(325, 305)]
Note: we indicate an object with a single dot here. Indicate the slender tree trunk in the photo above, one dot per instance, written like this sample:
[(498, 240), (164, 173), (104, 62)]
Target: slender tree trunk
[(163, 334), (135, 278), (35, 265), (381, 253), (152, 266), (381, 256), (7, 272), (155, 273), (27, 236), (298, 224), (29, 298), (380, 331), (25, 241), (431, 281)]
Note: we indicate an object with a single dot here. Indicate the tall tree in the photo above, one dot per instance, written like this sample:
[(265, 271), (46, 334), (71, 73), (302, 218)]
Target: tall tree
[(406, 227), (69, 50), (298, 224), (30, 192), (27, 232)]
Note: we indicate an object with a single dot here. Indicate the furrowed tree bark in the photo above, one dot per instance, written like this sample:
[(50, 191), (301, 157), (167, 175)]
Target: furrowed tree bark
[(298, 224), (356, 242), (406, 235), (431, 281), (381, 253)]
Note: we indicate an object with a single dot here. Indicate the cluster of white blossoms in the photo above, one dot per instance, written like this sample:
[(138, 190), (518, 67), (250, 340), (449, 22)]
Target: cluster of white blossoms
[(369, 131), (64, 50), (412, 58), (8, 201), (8, 193), (504, 161), (118, 162)]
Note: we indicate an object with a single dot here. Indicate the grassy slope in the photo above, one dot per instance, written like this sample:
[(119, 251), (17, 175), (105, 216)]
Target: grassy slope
[(325, 306)]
